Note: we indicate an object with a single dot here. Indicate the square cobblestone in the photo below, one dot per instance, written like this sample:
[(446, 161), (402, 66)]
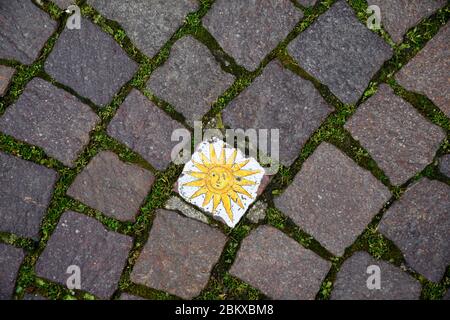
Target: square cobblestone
[(427, 72), (279, 99), (10, 260), (149, 24), (90, 62), (249, 30), (64, 4), (6, 74), (419, 225), (410, 11), (444, 165), (191, 80), (279, 266), (145, 128), (351, 281), (332, 198), (25, 192), (52, 119), (111, 186), (24, 30), (179, 255), (397, 136), (340, 52), (84, 242)]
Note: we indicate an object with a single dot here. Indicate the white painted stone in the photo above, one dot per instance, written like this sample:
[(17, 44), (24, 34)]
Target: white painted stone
[(221, 181)]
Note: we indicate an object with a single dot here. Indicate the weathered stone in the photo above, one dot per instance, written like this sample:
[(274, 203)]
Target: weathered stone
[(340, 52), (64, 4), (418, 224), (175, 203), (444, 165), (191, 80), (25, 192), (257, 212), (10, 260), (31, 296), (24, 30), (6, 74), (279, 99), (249, 30), (397, 136), (145, 128), (149, 24), (111, 186), (351, 281), (427, 72), (50, 118), (84, 242), (279, 266), (179, 255), (90, 62), (127, 296), (398, 16), (332, 198)]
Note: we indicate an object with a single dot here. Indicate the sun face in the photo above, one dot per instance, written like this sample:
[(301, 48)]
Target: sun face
[(221, 179)]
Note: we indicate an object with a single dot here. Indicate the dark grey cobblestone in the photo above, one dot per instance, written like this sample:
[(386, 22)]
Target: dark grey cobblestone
[(341, 52), (50, 118), (127, 296), (10, 260), (6, 74), (444, 165), (25, 192)]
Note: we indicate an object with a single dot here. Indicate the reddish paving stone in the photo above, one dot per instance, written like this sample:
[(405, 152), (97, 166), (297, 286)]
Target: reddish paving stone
[(398, 16), (83, 241), (90, 62), (25, 192), (6, 74), (351, 281), (340, 52), (52, 119), (24, 30), (111, 186), (279, 266), (149, 24), (419, 225), (191, 80), (397, 136), (179, 255), (427, 72), (127, 296), (332, 198), (279, 99), (444, 165), (249, 30), (145, 128), (10, 260)]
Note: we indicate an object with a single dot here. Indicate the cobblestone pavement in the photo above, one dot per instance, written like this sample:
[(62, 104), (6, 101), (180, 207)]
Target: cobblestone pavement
[(86, 178)]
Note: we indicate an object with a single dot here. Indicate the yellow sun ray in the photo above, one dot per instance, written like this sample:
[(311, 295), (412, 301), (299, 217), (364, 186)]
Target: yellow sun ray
[(238, 166), (195, 183), (222, 156), (231, 159), (200, 167), (234, 196), (216, 201), (241, 190), (245, 173), (207, 199), (245, 182), (205, 160), (196, 174), (212, 154), (227, 205), (199, 192)]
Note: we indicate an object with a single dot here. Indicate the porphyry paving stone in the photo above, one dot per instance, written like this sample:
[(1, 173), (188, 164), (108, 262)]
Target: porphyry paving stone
[(149, 24), (30, 296), (90, 62), (191, 80), (397, 136), (111, 186), (144, 128), (351, 281), (25, 192), (127, 296), (179, 255), (279, 99), (444, 165), (279, 266), (64, 4), (257, 212), (427, 72), (176, 204), (332, 198), (419, 225), (411, 12), (6, 74), (249, 30), (340, 52), (50, 118), (84, 242), (24, 30), (10, 260)]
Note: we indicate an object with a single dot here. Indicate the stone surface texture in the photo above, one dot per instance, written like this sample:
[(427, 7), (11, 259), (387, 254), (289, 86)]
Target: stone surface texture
[(176, 204), (444, 165), (10, 260), (6, 74)]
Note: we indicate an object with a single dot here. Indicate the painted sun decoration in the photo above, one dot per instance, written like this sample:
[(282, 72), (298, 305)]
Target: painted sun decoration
[(220, 180)]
